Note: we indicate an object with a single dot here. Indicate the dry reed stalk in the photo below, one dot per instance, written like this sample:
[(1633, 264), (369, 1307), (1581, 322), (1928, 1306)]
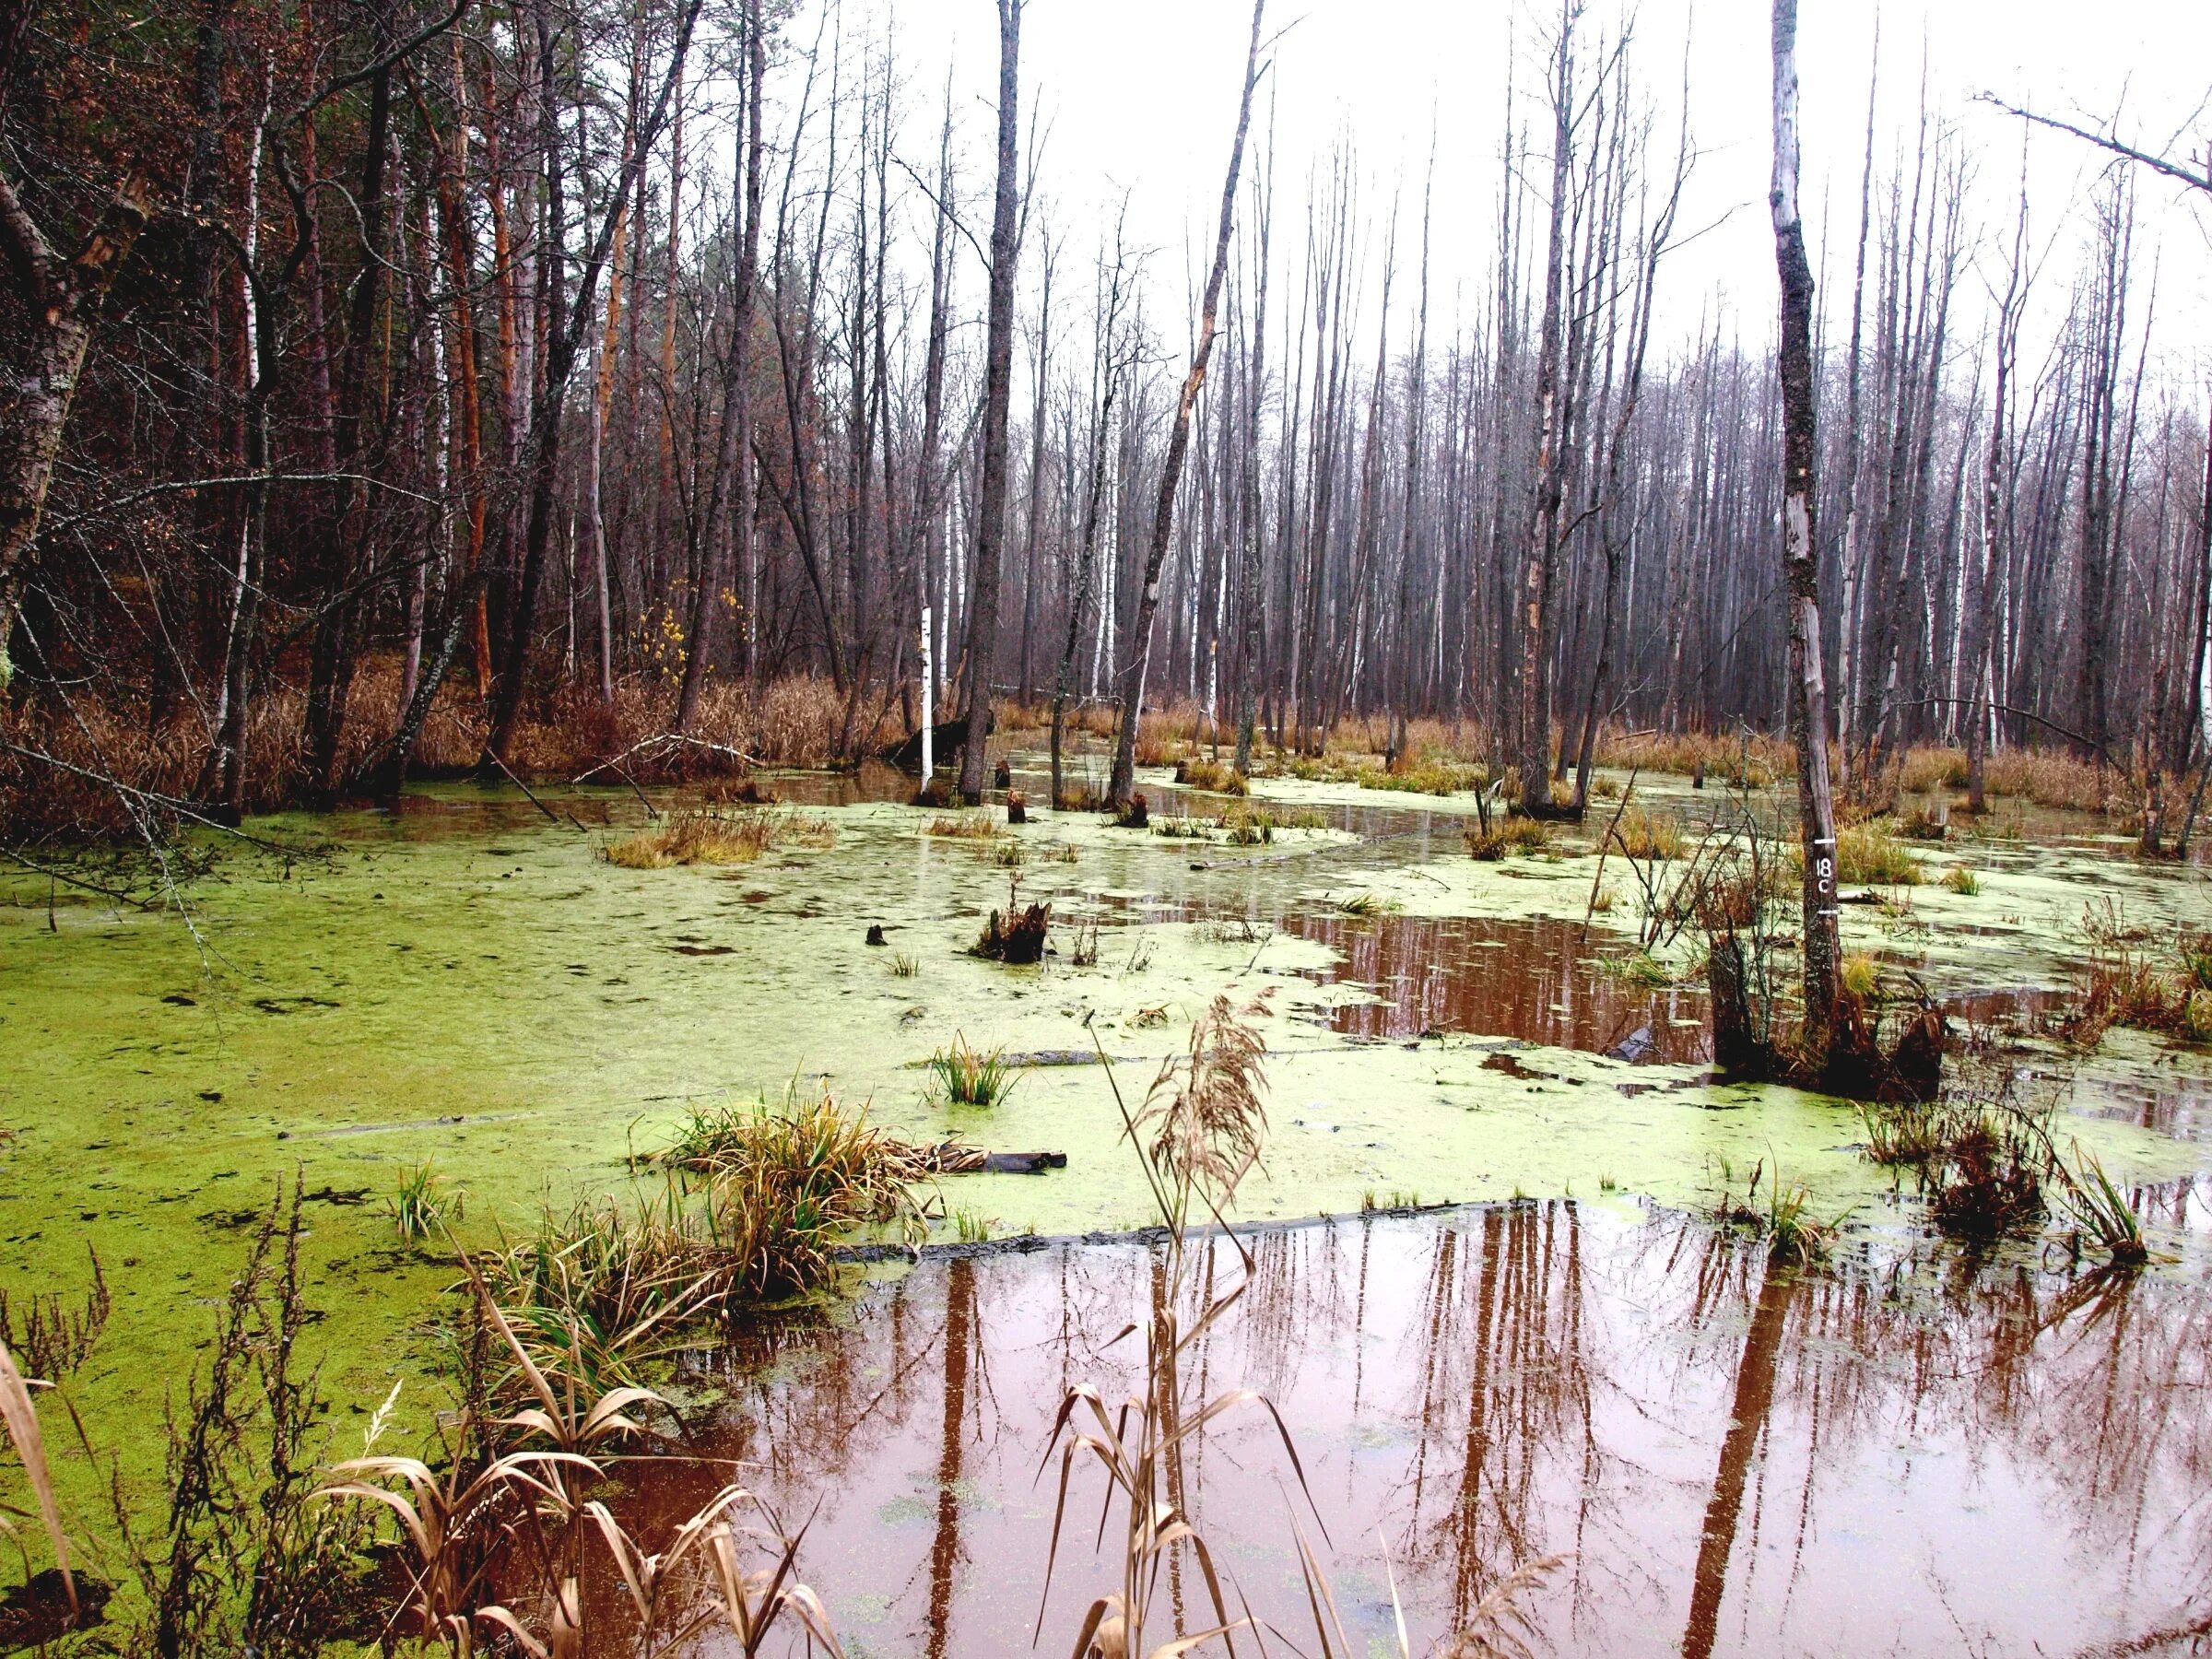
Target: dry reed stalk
[(20, 1417)]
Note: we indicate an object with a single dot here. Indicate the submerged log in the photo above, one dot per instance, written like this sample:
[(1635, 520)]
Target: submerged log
[(957, 1158)]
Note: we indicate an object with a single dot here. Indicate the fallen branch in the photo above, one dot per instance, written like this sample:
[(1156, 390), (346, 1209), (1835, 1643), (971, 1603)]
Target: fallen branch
[(614, 762)]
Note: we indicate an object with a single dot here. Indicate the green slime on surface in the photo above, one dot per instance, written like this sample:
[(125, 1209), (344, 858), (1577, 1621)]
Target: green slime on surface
[(467, 982)]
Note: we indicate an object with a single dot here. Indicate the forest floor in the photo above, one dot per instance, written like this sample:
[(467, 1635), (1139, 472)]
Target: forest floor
[(467, 982)]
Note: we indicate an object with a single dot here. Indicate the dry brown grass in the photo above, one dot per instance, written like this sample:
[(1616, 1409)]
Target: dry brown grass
[(1754, 759), (1214, 777), (964, 826), (716, 838), (1503, 837), (20, 1417), (1647, 835), (793, 722)]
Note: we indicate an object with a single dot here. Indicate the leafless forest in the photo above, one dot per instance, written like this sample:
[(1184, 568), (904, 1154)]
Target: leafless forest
[(416, 385)]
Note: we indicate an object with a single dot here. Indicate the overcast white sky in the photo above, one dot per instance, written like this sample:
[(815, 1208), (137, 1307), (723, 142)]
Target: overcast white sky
[(1139, 95)]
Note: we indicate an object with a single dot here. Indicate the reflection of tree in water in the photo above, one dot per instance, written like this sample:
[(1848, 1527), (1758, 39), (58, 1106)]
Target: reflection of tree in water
[(1528, 1380), (2096, 1384), (1503, 1397)]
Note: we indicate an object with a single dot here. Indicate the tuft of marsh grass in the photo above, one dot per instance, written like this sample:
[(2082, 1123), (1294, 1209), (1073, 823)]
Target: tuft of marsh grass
[(1214, 777), (1868, 854), (966, 1076), (1861, 975), (1364, 903), (964, 826), (423, 1207), (2102, 1210), (1793, 1236), (755, 1197), (1428, 777), (1506, 836), (1638, 968), (905, 967), (1962, 879), (716, 838), (1646, 835)]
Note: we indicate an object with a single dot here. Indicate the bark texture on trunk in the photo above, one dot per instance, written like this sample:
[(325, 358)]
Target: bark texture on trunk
[(43, 337), (998, 389), (1800, 556)]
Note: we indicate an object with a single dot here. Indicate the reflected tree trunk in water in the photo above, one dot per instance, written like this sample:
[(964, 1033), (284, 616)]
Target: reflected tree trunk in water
[(1747, 1421), (1467, 1578), (945, 1548)]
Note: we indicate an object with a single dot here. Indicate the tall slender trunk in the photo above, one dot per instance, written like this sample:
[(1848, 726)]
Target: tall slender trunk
[(734, 470), (998, 387), (1800, 553), (1541, 553), (1179, 438), (1252, 642)]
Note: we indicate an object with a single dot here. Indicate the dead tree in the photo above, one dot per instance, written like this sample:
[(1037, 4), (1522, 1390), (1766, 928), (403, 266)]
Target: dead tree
[(1179, 438), (1987, 571), (998, 390), (1541, 551), (1800, 556), (734, 471)]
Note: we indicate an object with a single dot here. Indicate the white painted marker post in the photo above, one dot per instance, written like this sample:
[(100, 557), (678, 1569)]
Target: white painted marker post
[(929, 713)]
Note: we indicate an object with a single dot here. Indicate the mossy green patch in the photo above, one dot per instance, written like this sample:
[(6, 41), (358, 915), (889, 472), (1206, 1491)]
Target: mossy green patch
[(468, 983)]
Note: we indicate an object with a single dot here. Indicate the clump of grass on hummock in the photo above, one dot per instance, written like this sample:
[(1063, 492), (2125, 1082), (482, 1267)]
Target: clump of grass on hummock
[(716, 838), (2103, 1210), (966, 1076), (1646, 835), (1506, 836), (1867, 853), (1214, 777), (753, 1203), (964, 826)]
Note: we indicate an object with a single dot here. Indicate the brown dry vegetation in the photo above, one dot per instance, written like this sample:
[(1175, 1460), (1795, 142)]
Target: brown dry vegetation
[(793, 722), (716, 838), (55, 762)]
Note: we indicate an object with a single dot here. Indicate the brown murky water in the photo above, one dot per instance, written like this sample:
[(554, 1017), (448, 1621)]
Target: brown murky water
[(1538, 978), (1896, 1456)]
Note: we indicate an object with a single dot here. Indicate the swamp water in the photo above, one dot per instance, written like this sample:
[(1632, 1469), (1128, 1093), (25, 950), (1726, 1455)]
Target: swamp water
[(467, 983), (1897, 1455)]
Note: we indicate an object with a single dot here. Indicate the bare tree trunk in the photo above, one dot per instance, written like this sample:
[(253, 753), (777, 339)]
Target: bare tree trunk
[(734, 470), (1989, 569), (388, 769), (1542, 546), (603, 389), (1800, 554), (1029, 586), (998, 390), (1163, 520), (1252, 638), (55, 301), (2200, 692)]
